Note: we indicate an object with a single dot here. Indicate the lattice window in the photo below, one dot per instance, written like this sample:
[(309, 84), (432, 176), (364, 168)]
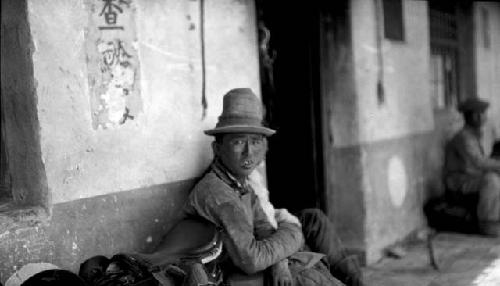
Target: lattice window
[(444, 55)]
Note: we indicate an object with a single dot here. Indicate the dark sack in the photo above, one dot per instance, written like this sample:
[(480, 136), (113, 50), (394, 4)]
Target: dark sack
[(120, 270), (54, 277), (496, 150), (187, 255), (447, 214)]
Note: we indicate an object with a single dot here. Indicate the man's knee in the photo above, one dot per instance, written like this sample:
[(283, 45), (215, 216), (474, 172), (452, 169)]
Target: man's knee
[(310, 215)]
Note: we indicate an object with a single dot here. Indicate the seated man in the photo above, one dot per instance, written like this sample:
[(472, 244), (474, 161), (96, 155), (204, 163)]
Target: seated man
[(225, 197), (468, 170)]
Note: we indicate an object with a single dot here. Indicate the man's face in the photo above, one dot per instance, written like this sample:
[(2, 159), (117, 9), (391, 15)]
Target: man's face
[(477, 119), (241, 153)]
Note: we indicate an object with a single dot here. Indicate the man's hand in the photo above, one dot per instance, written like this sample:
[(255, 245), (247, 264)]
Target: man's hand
[(281, 274), (282, 215)]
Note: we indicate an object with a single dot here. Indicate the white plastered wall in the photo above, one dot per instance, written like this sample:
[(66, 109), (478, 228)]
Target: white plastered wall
[(165, 142), (390, 184), (487, 47)]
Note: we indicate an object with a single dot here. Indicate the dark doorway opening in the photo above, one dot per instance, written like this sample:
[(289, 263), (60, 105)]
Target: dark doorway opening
[(290, 52)]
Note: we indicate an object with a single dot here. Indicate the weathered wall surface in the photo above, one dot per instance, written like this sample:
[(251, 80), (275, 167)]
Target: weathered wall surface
[(161, 144), (407, 108), (93, 157), (133, 220), (395, 160), (487, 57), (395, 127), (397, 171), (344, 171)]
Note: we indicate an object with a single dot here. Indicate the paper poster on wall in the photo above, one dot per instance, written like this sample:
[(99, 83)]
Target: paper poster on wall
[(113, 63)]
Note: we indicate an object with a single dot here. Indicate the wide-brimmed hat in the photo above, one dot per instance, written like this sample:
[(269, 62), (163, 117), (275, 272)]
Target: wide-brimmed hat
[(241, 113), (473, 104)]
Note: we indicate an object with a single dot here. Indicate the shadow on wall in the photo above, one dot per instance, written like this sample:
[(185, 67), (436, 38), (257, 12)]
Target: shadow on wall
[(20, 125)]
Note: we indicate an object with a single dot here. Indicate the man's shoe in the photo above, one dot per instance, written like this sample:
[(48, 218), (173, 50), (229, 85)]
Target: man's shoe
[(490, 229)]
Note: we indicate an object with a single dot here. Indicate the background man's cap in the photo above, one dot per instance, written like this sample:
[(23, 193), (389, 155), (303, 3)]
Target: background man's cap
[(241, 113), (473, 104)]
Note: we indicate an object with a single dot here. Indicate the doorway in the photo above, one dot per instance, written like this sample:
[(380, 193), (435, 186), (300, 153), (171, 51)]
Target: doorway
[(290, 69)]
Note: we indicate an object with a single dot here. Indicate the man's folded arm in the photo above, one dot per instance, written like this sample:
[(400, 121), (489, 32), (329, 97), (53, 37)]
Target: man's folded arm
[(246, 251), (472, 151)]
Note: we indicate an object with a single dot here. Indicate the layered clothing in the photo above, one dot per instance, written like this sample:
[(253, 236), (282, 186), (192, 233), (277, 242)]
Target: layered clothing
[(252, 243), (469, 170)]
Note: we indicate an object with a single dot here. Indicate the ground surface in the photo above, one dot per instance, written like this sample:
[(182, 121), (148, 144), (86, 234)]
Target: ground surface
[(464, 260)]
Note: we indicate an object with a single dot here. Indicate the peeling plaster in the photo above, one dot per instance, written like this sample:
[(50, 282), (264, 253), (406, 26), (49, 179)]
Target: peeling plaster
[(113, 64)]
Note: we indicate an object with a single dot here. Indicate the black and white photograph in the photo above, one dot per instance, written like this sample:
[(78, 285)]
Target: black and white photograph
[(250, 143)]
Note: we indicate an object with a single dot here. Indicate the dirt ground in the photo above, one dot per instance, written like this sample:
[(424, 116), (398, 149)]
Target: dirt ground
[(463, 260)]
